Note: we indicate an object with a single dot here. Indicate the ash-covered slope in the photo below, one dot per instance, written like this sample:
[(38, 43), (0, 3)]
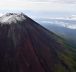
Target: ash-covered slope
[(25, 46)]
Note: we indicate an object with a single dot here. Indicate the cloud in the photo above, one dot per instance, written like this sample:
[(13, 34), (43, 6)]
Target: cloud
[(66, 1), (39, 5), (55, 1)]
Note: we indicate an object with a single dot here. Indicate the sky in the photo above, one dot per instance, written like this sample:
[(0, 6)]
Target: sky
[(40, 8)]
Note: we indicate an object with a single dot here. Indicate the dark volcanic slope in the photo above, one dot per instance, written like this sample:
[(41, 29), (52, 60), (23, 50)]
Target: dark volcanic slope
[(25, 46)]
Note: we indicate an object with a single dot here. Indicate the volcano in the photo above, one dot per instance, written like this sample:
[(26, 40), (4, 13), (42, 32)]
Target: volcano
[(26, 46)]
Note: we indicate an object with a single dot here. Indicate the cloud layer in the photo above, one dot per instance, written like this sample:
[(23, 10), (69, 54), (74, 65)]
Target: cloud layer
[(55, 1)]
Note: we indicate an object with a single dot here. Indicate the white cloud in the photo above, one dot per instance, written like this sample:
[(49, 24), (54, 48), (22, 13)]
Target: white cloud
[(47, 6), (39, 5), (56, 1), (66, 1)]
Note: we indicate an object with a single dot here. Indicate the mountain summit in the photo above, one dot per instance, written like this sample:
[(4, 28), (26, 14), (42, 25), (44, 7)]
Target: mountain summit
[(12, 18), (26, 46)]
